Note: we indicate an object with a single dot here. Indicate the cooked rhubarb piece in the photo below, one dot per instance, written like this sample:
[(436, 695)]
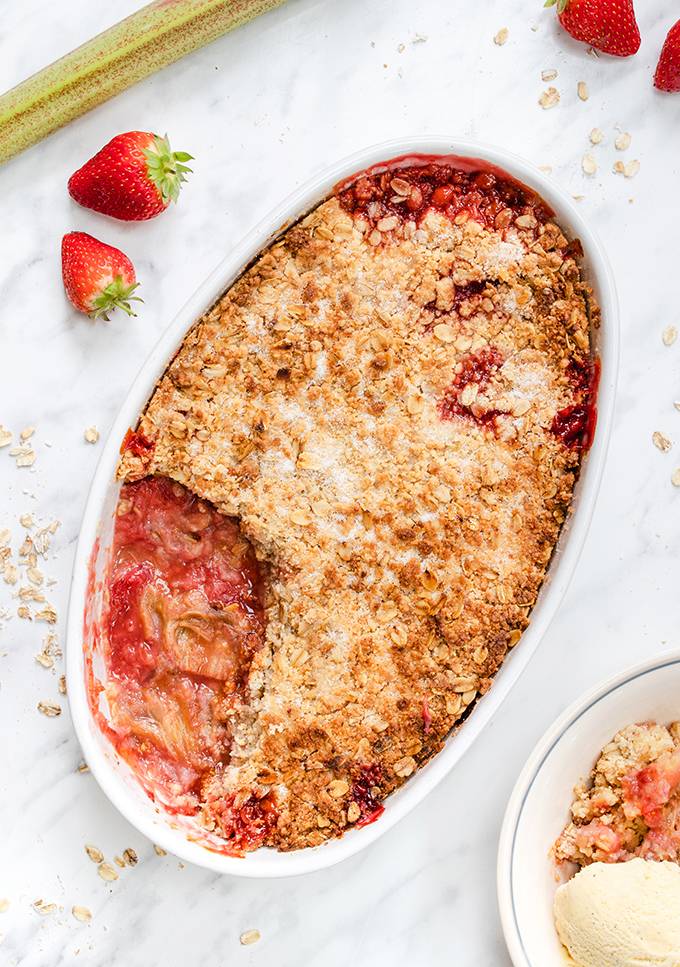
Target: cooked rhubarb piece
[(630, 805), (185, 617)]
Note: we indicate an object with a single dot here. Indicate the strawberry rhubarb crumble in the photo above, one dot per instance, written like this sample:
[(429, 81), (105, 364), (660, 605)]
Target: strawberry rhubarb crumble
[(341, 500), (630, 805)]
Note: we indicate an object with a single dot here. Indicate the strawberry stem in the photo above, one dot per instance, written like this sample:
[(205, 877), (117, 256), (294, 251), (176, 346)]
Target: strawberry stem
[(166, 168), (116, 295)]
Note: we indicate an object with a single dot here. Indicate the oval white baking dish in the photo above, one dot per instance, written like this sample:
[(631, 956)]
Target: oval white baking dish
[(113, 775)]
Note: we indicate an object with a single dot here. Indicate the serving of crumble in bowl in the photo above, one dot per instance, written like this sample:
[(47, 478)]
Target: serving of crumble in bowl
[(340, 506), (599, 787)]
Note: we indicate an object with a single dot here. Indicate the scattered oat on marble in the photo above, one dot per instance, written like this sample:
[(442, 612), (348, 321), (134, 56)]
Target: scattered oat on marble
[(50, 709), (27, 433), (130, 856), (596, 136), (48, 614), (420, 39), (10, 574), (107, 872), (622, 142), (4, 904), (44, 909), (546, 169), (91, 434), (549, 75), (82, 767), (549, 98), (159, 850), (6, 436), (578, 197), (25, 455), (119, 861), (669, 335), (94, 853), (631, 169), (249, 937), (35, 576), (501, 37), (588, 164), (27, 521), (82, 914), (582, 90), (675, 477), (61, 685), (661, 441), (401, 48)]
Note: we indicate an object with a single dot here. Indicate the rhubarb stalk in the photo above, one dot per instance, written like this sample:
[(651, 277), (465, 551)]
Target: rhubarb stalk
[(152, 38)]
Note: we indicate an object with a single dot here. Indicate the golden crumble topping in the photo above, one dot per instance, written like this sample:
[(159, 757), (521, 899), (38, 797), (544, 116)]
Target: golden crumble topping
[(379, 414)]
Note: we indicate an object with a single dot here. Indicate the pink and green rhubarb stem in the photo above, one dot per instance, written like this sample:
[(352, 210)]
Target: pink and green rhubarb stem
[(146, 41)]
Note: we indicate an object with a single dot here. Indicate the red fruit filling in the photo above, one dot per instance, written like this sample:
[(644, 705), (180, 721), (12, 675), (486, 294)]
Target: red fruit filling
[(575, 424), (137, 443), (475, 368), (365, 793), (411, 186), (185, 615), (246, 826)]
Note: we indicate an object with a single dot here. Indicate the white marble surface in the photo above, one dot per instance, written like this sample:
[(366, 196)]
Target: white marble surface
[(261, 110)]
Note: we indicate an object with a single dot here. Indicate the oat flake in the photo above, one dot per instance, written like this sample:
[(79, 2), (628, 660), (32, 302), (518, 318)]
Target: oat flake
[(249, 937), (661, 441), (50, 709), (501, 37), (549, 98), (669, 335), (588, 164), (107, 872)]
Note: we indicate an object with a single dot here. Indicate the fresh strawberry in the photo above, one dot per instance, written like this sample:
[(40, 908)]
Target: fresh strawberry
[(97, 277), (134, 177), (608, 25), (667, 75)]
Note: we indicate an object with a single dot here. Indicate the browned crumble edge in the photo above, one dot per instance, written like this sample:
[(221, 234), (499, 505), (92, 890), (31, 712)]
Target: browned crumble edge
[(404, 551)]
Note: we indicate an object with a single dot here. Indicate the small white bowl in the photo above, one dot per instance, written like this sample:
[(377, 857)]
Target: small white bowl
[(111, 773), (539, 805)]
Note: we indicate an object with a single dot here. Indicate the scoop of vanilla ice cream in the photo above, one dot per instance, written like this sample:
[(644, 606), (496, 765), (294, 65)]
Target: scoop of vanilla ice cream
[(621, 915)]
